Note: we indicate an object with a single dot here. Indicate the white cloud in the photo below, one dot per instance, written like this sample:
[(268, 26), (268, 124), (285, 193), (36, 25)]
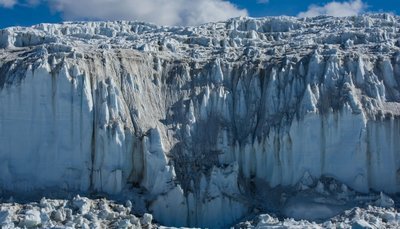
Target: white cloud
[(338, 9), (162, 12), (7, 3)]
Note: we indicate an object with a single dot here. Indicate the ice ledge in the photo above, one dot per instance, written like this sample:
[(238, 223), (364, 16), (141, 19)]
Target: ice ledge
[(238, 36)]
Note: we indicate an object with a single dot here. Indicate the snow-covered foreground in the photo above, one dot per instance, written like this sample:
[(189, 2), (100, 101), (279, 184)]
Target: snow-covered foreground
[(328, 204), (366, 217), (82, 212), (79, 212)]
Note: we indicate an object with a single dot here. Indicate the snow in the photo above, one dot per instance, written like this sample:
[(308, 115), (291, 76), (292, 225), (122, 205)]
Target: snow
[(368, 217), (31, 219), (5, 218), (45, 215), (384, 201), (57, 213), (147, 218), (195, 118)]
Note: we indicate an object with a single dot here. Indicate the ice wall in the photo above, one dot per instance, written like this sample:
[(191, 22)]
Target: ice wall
[(193, 115)]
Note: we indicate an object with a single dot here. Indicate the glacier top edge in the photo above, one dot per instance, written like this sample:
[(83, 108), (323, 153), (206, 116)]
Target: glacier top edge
[(259, 38)]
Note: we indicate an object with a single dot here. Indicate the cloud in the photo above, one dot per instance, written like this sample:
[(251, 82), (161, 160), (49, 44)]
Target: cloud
[(162, 12), (337, 9), (7, 3), (262, 1)]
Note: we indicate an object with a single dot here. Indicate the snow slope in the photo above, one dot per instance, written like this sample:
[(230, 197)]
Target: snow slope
[(193, 115)]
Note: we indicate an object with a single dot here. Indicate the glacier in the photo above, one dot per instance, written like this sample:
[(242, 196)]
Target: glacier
[(200, 119)]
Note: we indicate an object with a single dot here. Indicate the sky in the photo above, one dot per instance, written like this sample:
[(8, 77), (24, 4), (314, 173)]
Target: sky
[(179, 12)]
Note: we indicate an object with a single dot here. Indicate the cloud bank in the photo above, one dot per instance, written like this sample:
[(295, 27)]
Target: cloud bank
[(162, 12), (337, 9)]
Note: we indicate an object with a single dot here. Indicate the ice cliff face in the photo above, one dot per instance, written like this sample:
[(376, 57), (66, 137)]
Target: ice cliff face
[(194, 116)]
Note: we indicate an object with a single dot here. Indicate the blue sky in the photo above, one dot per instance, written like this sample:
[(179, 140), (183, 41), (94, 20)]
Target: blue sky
[(293, 7), (178, 12)]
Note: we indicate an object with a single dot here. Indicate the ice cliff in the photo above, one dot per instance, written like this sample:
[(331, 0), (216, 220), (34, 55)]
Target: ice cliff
[(196, 117)]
